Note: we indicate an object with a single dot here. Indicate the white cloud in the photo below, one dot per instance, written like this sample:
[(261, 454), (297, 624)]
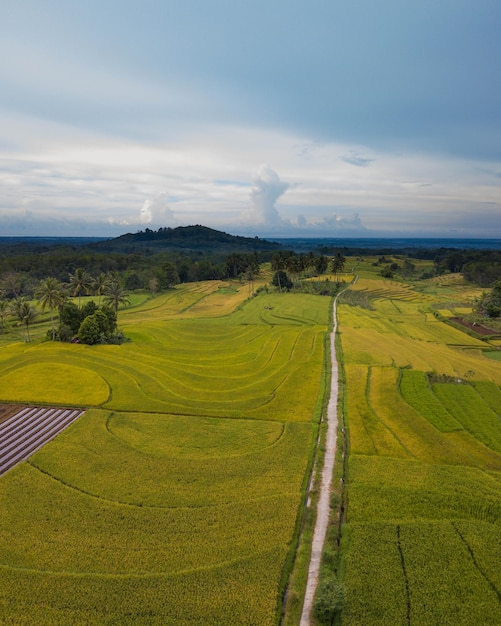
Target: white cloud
[(60, 173), (155, 211), (265, 192)]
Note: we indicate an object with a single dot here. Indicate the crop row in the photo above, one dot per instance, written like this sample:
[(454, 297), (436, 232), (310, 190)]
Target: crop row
[(155, 460), (421, 543), (239, 377), (242, 591), (407, 561), (159, 509), (417, 392)]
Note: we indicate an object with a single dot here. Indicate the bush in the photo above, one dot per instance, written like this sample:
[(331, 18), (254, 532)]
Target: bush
[(328, 600), (90, 330)]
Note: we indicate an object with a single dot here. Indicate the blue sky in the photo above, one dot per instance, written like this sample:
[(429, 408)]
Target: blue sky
[(277, 117)]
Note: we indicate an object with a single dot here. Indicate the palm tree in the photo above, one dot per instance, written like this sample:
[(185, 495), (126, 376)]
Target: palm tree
[(25, 313), (4, 309), (80, 282), (100, 285), (51, 295), (337, 264), (116, 295)]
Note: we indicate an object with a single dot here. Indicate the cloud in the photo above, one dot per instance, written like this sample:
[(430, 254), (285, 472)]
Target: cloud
[(356, 159), (265, 192), (337, 222), (156, 211)]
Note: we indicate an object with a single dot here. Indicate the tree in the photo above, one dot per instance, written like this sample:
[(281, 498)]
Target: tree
[(116, 295), (90, 330), (70, 316), (490, 303), (4, 310), (321, 264), (281, 280), (12, 284), (51, 295), (100, 284), (278, 265), (337, 264), (169, 277), (80, 283), (25, 313)]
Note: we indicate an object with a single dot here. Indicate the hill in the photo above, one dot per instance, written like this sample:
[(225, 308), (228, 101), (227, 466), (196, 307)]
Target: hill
[(194, 238)]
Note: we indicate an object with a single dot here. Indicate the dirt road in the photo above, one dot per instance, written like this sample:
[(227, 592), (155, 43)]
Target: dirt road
[(325, 488)]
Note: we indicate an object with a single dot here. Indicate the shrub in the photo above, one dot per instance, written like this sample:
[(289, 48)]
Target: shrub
[(90, 330), (329, 600)]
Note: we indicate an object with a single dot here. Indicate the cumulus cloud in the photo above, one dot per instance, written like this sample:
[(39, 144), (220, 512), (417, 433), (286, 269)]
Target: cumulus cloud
[(266, 190), (156, 211), (339, 222)]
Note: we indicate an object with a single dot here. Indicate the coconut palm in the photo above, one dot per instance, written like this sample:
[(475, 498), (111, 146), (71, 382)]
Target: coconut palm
[(337, 264), (51, 295), (100, 285), (25, 313), (116, 295), (80, 282)]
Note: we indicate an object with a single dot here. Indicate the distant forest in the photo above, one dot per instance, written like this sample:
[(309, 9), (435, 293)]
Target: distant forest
[(193, 253)]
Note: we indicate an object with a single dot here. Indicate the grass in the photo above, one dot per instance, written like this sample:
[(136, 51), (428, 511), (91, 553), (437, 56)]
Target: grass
[(175, 499)]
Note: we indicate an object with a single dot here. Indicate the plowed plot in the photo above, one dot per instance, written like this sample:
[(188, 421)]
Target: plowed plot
[(480, 330), (27, 429)]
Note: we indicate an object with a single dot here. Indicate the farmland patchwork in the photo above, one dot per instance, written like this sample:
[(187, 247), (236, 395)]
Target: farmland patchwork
[(175, 498)]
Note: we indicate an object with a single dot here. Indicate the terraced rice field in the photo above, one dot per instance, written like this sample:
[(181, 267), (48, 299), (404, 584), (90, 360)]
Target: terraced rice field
[(422, 540), (175, 498)]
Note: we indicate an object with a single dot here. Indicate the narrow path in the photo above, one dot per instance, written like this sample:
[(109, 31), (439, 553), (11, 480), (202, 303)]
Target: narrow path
[(325, 487)]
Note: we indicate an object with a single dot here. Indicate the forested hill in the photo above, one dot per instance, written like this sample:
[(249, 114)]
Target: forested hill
[(194, 238)]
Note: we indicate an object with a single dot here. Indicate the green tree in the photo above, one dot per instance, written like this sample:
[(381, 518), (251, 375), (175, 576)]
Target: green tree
[(12, 284), (281, 280), (116, 295), (169, 275), (490, 303), (99, 285), (51, 295), (4, 311), (278, 265), (337, 264), (25, 313), (321, 264), (80, 283), (90, 330), (70, 316)]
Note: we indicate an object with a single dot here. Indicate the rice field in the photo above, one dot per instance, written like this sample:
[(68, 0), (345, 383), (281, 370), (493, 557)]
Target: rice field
[(422, 538), (175, 498)]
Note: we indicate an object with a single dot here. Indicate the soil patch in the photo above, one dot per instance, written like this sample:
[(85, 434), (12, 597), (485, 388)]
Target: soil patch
[(476, 328), (8, 410)]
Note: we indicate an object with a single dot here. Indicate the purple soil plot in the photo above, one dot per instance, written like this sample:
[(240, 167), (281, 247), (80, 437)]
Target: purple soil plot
[(28, 429)]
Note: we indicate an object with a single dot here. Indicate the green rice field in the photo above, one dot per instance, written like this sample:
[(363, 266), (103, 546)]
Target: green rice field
[(422, 540), (176, 498)]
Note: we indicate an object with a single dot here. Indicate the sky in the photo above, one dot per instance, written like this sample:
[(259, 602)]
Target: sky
[(284, 118)]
